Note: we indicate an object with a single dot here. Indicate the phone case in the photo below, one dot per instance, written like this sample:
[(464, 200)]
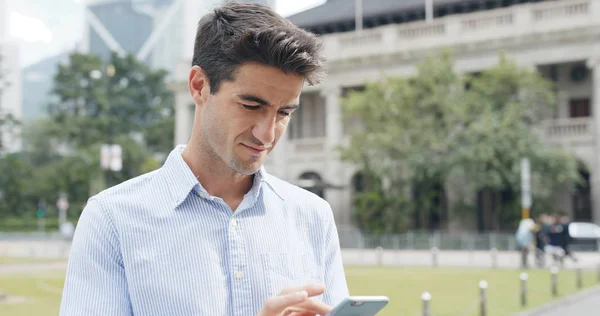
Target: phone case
[(360, 306)]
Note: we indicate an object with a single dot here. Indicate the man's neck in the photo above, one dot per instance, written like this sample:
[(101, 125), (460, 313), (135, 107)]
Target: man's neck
[(216, 177)]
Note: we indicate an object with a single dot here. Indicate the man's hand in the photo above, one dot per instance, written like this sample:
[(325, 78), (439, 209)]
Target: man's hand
[(296, 301)]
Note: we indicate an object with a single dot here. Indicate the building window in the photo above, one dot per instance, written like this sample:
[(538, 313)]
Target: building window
[(313, 182), (579, 108), (308, 121)]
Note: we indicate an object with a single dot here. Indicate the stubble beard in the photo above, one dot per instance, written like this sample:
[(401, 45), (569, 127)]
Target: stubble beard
[(226, 162)]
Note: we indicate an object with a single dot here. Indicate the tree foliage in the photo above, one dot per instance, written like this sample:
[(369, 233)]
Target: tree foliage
[(92, 103), (439, 133)]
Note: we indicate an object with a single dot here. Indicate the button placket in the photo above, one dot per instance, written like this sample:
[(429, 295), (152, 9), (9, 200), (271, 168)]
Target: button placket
[(237, 248)]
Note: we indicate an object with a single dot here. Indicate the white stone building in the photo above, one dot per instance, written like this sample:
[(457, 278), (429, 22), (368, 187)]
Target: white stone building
[(560, 38)]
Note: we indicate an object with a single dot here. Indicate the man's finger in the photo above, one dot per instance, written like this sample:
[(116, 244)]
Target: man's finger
[(277, 304), (314, 306), (297, 311), (313, 289)]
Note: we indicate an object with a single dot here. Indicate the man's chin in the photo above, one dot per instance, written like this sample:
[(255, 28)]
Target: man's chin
[(249, 168)]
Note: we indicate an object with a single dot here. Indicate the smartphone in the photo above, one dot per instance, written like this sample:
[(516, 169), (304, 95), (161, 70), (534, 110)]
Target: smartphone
[(360, 306)]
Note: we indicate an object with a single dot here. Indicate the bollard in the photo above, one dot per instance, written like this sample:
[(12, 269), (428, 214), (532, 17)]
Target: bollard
[(483, 295), (524, 277), (426, 298), (434, 256), (494, 253), (554, 273), (379, 254), (578, 277)]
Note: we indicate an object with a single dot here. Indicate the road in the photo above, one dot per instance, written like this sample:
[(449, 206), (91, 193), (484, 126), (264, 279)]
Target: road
[(475, 259), (58, 249)]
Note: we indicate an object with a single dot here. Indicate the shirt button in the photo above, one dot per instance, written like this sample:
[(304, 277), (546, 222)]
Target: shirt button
[(239, 274), (203, 195), (234, 223)]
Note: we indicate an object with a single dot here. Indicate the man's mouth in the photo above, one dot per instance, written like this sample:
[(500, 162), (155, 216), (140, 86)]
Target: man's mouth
[(256, 150)]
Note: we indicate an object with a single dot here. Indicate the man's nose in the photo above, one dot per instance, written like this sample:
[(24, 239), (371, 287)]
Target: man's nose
[(265, 130)]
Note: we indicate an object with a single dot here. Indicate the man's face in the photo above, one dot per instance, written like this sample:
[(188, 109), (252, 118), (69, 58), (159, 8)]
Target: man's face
[(244, 120)]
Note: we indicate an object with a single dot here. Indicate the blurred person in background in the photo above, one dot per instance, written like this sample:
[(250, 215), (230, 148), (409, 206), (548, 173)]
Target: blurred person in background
[(555, 237), (565, 238), (524, 237), (211, 232), (540, 230)]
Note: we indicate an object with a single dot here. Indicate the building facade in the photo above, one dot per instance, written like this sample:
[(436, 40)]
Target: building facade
[(561, 39)]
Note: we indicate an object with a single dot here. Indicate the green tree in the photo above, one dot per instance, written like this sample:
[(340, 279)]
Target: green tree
[(96, 103), (92, 103), (421, 133)]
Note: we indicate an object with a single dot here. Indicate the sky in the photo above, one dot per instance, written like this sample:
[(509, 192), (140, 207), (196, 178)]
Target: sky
[(44, 28)]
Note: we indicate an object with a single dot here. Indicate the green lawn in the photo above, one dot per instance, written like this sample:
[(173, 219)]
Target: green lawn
[(41, 291), (454, 291)]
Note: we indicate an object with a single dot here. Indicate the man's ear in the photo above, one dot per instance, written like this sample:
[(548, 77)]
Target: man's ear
[(198, 85)]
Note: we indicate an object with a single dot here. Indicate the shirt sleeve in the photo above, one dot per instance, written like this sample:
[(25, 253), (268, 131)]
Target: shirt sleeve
[(95, 281), (335, 278)]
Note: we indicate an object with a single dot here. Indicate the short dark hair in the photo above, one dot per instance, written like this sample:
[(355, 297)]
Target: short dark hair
[(236, 33)]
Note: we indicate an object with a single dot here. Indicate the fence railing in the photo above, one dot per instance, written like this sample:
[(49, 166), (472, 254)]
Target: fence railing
[(521, 20), (354, 239)]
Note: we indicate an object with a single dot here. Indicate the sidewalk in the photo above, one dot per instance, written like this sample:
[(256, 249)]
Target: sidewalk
[(450, 258), (584, 303), (32, 268)]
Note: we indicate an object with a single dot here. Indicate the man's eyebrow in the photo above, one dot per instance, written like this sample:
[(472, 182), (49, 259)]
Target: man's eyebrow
[(255, 99), (290, 107)]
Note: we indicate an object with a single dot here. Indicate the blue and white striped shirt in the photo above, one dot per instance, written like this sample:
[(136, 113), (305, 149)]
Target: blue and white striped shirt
[(160, 244)]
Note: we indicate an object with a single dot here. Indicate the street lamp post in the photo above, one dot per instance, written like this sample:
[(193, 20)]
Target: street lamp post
[(110, 154)]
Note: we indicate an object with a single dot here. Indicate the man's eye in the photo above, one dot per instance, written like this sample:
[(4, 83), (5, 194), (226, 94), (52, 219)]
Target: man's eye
[(251, 107), (284, 113)]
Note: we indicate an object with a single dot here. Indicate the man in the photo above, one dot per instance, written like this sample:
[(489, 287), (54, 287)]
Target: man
[(211, 232), (565, 237), (541, 239), (524, 238)]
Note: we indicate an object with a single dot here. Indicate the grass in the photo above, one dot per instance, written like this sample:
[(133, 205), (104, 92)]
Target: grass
[(454, 291), (42, 292)]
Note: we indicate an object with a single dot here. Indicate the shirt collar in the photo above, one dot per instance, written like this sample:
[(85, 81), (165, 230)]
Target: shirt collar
[(181, 181)]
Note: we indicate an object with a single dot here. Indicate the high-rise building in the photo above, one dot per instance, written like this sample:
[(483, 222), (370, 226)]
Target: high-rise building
[(121, 26), (159, 32), (10, 84)]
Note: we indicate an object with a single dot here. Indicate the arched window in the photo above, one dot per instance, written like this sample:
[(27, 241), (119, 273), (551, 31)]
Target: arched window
[(312, 182)]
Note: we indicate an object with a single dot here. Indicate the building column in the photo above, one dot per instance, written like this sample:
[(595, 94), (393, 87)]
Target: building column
[(333, 133), (184, 116), (277, 161), (594, 66), (333, 119), (335, 174)]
